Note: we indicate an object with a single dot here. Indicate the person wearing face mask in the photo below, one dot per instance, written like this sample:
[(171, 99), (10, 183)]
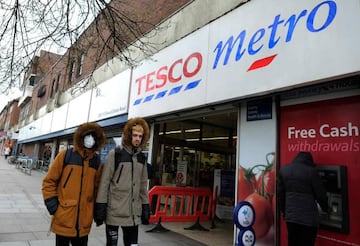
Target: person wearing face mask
[(122, 199), (70, 186)]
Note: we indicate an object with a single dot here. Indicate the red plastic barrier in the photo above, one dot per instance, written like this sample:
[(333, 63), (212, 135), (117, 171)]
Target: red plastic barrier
[(181, 204)]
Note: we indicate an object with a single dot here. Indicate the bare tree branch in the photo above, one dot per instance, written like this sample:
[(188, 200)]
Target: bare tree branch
[(72, 27)]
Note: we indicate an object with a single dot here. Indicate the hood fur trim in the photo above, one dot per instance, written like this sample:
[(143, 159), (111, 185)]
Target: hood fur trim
[(127, 132), (85, 129)]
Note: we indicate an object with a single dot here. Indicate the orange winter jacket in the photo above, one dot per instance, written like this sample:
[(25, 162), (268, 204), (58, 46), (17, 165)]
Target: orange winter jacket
[(75, 185)]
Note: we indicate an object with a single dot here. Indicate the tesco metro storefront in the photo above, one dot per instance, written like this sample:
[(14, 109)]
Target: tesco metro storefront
[(289, 75)]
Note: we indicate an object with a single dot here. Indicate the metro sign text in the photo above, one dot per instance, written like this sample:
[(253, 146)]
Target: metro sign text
[(251, 44)]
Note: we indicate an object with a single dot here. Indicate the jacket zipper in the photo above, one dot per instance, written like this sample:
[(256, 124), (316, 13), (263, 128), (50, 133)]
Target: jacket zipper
[(121, 168), (79, 201), (67, 178), (132, 189)]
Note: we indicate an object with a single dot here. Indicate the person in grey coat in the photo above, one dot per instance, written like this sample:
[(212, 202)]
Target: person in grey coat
[(300, 190), (122, 199)]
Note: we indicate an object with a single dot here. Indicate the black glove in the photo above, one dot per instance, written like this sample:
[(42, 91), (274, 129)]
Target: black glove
[(100, 213), (52, 204), (145, 214)]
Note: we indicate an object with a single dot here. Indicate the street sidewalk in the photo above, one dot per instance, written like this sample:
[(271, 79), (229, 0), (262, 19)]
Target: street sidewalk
[(25, 220)]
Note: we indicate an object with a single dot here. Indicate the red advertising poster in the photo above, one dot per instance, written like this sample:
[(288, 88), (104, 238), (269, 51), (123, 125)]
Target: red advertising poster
[(256, 185), (330, 131)]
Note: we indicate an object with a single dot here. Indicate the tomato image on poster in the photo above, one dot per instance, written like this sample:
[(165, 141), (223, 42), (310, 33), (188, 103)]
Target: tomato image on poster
[(256, 169), (328, 129), (256, 185)]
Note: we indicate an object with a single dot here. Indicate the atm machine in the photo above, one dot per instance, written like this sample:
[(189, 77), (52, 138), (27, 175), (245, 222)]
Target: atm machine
[(334, 178)]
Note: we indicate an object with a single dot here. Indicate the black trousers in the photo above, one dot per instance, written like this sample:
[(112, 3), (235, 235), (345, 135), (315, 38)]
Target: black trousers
[(75, 241), (301, 235), (130, 235)]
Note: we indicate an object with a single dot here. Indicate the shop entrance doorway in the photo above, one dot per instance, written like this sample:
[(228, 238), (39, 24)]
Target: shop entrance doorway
[(195, 147), (195, 152)]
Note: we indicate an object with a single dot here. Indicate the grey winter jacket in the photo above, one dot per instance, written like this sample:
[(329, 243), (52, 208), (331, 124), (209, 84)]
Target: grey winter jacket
[(300, 189), (123, 190)]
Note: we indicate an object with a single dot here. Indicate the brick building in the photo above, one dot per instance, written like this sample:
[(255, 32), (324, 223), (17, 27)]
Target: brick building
[(226, 86), (53, 80), (9, 118)]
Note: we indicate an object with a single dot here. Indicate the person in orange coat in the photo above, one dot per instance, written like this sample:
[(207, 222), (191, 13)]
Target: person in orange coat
[(69, 189)]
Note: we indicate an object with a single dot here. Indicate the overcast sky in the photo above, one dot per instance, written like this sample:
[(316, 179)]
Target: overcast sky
[(4, 99), (80, 16)]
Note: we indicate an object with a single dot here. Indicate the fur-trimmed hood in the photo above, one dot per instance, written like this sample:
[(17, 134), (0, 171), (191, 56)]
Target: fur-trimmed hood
[(127, 132), (85, 129)]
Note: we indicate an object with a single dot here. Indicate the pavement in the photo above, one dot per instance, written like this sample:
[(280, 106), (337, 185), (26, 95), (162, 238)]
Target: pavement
[(24, 220)]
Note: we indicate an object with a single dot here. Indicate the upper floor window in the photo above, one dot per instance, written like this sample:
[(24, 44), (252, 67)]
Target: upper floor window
[(71, 70), (41, 91), (7, 124), (57, 82), (25, 111), (53, 85), (80, 64), (32, 80)]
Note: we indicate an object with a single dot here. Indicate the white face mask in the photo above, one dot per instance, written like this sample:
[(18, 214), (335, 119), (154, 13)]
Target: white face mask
[(89, 141)]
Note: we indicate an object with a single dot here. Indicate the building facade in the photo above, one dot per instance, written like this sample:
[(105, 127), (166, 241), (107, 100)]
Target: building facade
[(238, 88), (9, 118)]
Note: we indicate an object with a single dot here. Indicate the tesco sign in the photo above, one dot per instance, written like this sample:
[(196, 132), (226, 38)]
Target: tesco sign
[(230, 59), (166, 74), (187, 67)]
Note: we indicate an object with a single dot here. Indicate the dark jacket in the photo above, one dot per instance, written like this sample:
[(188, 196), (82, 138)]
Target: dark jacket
[(123, 191), (300, 189), (69, 189)]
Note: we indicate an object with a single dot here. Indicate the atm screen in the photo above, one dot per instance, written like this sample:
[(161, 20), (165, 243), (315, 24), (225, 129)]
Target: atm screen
[(330, 180), (334, 178)]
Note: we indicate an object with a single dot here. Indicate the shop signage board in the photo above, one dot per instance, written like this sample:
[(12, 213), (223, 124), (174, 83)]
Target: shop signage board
[(46, 123), (259, 47), (59, 118), (259, 110), (111, 97), (51, 122), (172, 79), (288, 44), (103, 101), (78, 111), (330, 130), (36, 128)]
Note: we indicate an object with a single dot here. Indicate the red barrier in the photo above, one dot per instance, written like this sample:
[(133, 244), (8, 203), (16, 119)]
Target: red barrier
[(181, 204)]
